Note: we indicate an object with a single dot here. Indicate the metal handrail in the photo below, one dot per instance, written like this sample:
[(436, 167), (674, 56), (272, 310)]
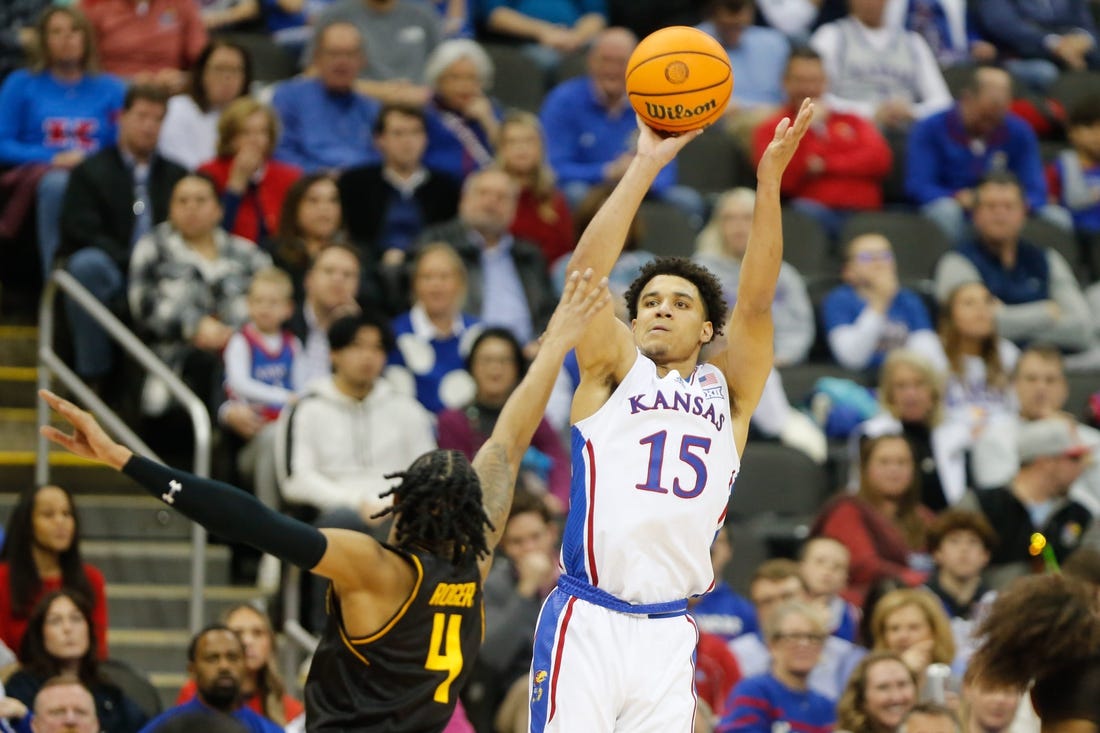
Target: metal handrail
[(49, 363)]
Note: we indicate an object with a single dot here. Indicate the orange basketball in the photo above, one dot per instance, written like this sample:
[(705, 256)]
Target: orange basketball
[(679, 79)]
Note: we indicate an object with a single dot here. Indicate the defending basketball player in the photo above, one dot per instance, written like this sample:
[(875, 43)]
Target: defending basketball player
[(657, 439), (406, 617)]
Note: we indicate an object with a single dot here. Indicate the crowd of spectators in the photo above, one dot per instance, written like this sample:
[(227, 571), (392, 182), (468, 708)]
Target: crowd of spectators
[(352, 265)]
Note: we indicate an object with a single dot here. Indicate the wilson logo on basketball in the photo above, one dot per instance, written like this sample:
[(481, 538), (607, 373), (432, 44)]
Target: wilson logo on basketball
[(677, 72), (678, 111)]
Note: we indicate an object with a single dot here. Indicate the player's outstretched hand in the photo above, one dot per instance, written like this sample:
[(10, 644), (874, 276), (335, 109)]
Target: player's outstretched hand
[(781, 149), (581, 299), (661, 149), (88, 439)]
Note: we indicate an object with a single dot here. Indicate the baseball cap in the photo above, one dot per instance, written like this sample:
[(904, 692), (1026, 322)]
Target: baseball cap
[(1052, 436)]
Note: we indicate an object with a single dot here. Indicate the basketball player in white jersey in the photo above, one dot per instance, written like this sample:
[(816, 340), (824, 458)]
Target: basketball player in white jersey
[(657, 439)]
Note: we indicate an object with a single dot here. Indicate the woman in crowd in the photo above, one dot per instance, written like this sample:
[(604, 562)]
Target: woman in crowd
[(976, 360), (311, 220), (884, 524), (911, 393), (55, 114), (434, 338), (462, 121), (41, 554), (1044, 630), (188, 290), (221, 74), (880, 693), (911, 623), (59, 640), (262, 688), (542, 215), (251, 184), (497, 365)]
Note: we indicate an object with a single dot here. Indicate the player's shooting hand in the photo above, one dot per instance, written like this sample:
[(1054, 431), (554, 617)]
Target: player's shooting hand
[(785, 141), (88, 439), (661, 150), (581, 299)]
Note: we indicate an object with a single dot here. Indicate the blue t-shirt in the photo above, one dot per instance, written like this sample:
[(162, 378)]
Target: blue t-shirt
[(438, 366), (252, 721), (323, 130), (725, 613), (756, 704), (906, 314)]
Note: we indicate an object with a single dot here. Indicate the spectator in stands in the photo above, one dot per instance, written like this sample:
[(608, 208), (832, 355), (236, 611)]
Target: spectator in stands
[(326, 123), (41, 554), (462, 122), (884, 526), (547, 31), (54, 115), (986, 707), (542, 214), (947, 26), (871, 313), (508, 282), (341, 438), (929, 716), (60, 640), (1038, 296), (311, 219), (911, 623), (149, 42), (1039, 383), (114, 198), (1045, 36), (911, 391), (1074, 176), (187, 290), (64, 705), (950, 152), (1052, 458), (17, 34), (723, 612), (252, 186), (262, 687), (594, 127), (434, 337), (514, 592), (840, 165), (330, 286), (497, 364), (880, 72), (389, 204), (216, 664), (757, 55), (823, 564), (782, 696), (720, 247), (878, 696), (774, 583), (399, 36), (221, 74)]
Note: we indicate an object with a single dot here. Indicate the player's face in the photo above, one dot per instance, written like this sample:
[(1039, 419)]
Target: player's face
[(64, 709), (993, 709), (53, 522), (888, 694), (825, 568), (961, 554), (910, 394), (972, 311), (905, 627), (796, 647), (1040, 386), (671, 324), (65, 630), (890, 469), (218, 668), (254, 635)]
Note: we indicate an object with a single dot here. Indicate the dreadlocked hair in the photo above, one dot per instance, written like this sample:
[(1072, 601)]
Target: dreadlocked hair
[(438, 506), (710, 290)]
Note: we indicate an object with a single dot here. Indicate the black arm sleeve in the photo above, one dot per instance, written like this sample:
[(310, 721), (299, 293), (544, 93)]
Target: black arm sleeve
[(230, 512)]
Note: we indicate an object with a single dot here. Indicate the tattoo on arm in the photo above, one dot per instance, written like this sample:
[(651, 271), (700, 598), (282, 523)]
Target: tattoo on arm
[(498, 479)]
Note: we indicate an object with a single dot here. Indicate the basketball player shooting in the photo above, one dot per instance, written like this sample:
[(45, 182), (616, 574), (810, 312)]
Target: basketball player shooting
[(656, 444), (406, 618)]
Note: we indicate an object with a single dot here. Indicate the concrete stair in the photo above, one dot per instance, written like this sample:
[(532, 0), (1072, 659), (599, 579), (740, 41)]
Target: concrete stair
[(142, 547)]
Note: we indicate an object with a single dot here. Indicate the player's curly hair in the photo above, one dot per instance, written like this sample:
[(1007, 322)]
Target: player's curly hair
[(710, 290), (438, 506)]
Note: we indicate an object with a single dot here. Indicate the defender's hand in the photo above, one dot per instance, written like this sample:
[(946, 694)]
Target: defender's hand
[(785, 141), (88, 439)]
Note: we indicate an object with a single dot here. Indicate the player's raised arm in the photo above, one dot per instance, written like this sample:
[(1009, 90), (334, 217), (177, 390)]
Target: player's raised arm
[(497, 463), (748, 357), (602, 241)]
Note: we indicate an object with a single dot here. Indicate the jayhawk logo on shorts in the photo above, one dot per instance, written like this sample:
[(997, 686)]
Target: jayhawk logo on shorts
[(540, 677)]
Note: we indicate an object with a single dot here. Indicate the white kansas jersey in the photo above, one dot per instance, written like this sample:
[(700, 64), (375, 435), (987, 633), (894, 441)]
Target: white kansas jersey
[(652, 473)]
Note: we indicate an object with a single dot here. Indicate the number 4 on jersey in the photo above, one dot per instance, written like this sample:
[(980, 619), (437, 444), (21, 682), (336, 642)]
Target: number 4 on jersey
[(450, 659)]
